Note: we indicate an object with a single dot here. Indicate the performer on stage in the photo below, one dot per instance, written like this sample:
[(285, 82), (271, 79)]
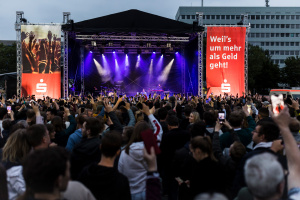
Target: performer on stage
[(144, 92)]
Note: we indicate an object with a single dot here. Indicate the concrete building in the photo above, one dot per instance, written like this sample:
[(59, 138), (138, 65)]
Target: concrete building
[(276, 29)]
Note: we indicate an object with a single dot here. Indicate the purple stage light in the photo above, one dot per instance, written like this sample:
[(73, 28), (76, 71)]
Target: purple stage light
[(176, 52), (91, 52), (114, 51)]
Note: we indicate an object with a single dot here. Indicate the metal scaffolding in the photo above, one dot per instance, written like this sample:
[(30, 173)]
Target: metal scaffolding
[(65, 88), (200, 55), (19, 21), (82, 69)]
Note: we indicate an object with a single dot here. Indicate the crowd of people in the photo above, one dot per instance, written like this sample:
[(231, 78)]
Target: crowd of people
[(139, 148)]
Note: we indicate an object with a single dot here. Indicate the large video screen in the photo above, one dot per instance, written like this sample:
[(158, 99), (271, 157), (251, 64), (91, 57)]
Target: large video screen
[(41, 54)]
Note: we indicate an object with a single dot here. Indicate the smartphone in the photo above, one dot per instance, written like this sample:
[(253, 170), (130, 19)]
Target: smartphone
[(249, 108), (150, 141), (221, 116), (8, 109), (277, 103)]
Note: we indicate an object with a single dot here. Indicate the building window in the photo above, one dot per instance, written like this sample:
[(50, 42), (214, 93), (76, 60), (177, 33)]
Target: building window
[(252, 16), (252, 25), (232, 16), (257, 26), (282, 35), (281, 52), (282, 17), (267, 25), (217, 16), (277, 34), (292, 43), (276, 52), (297, 25), (287, 26), (257, 17), (287, 16), (272, 44), (277, 16), (297, 44), (194, 16), (272, 16), (292, 16), (188, 17), (281, 43), (287, 44), (297, 53), (297, 16), (272, 25), (257, 35), (262, 17), (262, 25), (292, 52), (207, 16), (267, 43), (267, 35), (262, 44), (213, 17), (227, 16), (277, 25), (262, 35), (292, 26), (182, 16), (287, 53), (268, 16), (282, 25), (277, 43), (287, 35)]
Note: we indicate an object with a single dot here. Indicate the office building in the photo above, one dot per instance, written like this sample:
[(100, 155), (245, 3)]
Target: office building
[(276, 29)]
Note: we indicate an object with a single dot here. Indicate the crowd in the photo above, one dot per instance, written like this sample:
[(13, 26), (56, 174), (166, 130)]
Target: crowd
[(150, 148)]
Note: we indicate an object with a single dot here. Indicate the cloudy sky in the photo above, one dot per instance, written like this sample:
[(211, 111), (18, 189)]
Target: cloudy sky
[(41, 11)]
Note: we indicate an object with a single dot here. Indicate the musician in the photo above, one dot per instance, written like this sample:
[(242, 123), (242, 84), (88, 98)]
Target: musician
[(144, 92)]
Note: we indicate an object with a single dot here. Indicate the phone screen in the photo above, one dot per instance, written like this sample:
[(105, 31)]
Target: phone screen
[(249, 108), (221, 116), (8, 109), (277, 103)]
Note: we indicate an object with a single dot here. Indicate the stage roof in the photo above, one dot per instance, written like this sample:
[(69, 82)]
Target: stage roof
[(131, 21)]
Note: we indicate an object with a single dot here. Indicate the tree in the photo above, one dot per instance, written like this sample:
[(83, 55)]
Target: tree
[(291, 71), (8, 58), (262, 73)]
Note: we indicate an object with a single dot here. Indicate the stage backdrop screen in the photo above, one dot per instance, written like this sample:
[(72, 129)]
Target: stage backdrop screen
[(41, 54), (225, 60)]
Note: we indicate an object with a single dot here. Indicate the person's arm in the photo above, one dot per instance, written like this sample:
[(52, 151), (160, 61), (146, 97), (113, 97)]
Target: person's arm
[(72, 121), (153, 187), (131, 116), (113, 117), (117, 104), (156, 125), (216, 147), (291, 148), (251, 122), (38, 117)]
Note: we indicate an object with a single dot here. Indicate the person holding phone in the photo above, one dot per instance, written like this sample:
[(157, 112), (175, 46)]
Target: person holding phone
[(131, 162)]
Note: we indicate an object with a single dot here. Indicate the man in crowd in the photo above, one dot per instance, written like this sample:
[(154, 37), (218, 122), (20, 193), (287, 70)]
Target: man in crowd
[(104, 181)]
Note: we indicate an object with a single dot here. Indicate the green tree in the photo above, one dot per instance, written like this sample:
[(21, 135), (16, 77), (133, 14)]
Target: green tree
[(262, 73), (8, 58), (291, 71)]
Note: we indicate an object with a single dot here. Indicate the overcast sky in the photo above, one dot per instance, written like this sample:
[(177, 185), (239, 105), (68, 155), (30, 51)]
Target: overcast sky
[(41, 11)]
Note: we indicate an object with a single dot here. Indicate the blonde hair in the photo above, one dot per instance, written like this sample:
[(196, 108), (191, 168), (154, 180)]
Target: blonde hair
[(196, 116), (17, 146)]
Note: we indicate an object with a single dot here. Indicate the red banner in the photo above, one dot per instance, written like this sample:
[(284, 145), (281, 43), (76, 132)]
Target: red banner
[(41, 85), (41, 55), (225, 60)]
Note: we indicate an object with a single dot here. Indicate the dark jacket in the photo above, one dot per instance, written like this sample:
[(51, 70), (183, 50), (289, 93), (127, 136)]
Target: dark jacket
[(244, 134), (83, 154), (61, 138), (106, 183), (204, 176)]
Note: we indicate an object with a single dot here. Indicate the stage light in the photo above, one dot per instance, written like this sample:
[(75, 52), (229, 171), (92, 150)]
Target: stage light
[(126, 51), (139, 51), (154, 52), (91, 52), (110, 44), (114, 51), (169, 44), (122, 43), (164, 76), (94, 43), (176, 52)]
